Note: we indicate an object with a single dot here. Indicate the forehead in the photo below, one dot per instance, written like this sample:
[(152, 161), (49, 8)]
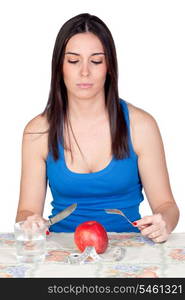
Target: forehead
[(86, 42)]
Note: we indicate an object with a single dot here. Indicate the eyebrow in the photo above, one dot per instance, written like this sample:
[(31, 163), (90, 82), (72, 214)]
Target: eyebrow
[(77, 54)]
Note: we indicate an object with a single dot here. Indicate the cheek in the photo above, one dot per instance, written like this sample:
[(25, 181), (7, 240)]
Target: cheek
[(66, 71), (68, 74), (101, 75)]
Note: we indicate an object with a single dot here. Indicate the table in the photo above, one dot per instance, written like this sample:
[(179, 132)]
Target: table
[(142, 258)]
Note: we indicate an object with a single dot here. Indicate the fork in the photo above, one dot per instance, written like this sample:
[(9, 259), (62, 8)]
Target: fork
[(118, 212)]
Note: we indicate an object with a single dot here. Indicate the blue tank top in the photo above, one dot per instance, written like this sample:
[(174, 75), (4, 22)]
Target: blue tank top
[(118, 185)]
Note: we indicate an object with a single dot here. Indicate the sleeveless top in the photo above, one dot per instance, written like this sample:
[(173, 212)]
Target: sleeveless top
[(118, 185)]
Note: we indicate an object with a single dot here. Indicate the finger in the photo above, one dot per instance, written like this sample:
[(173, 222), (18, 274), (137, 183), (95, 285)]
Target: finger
[(147, 220), (38, 220), (142, 227), (160, 239), (155, 234), (39, 225), (25, 225), (43, 225), (135, 223), (149, 230), (34, 225)]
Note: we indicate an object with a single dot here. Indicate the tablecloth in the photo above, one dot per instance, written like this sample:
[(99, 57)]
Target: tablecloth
[(142, 258)]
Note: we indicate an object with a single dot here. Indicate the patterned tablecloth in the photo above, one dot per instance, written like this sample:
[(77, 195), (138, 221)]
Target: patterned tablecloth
[(142, 258)]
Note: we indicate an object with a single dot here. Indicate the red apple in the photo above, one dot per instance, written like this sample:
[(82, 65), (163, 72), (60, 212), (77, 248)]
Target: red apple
[(91, 233)]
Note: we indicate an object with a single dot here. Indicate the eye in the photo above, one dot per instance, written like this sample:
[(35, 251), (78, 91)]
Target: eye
[(72, 61), (96, 62), (75, 61)]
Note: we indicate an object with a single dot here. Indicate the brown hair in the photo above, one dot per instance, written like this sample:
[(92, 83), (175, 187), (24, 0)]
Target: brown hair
[(57, 105)]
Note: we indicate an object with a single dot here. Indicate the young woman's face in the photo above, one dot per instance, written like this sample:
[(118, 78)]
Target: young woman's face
[(84, 67)]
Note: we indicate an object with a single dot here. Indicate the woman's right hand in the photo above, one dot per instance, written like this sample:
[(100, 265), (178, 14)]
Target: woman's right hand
[(35, 222)]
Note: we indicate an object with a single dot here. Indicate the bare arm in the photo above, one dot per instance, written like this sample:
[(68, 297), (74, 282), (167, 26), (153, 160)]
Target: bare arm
[(33, 183), (155, 179)]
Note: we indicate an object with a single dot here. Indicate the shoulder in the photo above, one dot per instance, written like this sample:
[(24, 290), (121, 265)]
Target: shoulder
[(35, 135), (38, 124), (143, 127), (140, 117)]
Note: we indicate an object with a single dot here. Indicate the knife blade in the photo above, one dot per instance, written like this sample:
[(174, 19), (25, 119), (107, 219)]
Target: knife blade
[(62, 215)]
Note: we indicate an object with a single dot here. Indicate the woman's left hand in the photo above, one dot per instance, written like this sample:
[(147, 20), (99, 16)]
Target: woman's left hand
[(153, 227)]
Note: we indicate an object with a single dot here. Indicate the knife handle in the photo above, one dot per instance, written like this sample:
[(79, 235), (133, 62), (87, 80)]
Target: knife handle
[(48, 223)]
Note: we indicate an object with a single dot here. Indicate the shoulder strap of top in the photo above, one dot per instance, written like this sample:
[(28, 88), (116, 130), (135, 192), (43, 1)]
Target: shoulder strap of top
[(127, 119), (125, 111)]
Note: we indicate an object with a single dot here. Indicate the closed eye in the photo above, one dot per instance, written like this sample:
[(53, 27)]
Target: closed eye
[(96, 62), (75, 61)]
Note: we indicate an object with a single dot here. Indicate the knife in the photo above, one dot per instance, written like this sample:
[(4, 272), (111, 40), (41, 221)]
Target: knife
[(61, 215)]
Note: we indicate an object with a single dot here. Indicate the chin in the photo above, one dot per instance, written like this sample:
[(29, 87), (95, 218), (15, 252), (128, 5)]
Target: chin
[(85, 95)]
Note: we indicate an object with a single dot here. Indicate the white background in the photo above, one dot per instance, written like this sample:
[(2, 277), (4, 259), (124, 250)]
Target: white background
[(149, 37)]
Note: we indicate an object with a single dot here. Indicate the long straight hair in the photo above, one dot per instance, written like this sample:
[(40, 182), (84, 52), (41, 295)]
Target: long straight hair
[(56, 109)]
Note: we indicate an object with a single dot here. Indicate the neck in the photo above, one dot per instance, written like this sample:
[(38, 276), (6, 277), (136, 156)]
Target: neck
[(87, 109)]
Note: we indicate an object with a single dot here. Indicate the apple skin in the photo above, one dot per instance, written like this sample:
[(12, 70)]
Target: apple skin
[(91, 233)]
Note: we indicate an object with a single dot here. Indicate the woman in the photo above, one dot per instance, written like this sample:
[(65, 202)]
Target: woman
[(92, 147)]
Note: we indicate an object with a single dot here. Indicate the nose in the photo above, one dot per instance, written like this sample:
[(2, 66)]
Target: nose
[(85, 69)]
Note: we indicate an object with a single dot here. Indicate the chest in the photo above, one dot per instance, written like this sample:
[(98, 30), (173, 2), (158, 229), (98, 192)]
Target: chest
[(91, 148)]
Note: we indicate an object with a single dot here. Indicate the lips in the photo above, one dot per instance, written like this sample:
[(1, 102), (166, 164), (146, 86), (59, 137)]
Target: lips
[(84, 85)]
